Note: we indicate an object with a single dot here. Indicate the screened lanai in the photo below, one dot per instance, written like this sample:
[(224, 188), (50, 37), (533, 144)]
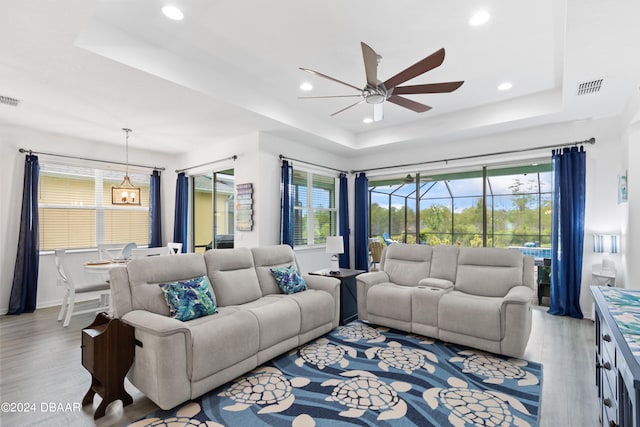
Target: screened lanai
[(499, 206)]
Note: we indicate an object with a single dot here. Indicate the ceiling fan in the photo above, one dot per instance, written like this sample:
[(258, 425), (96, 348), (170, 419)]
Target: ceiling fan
[(376, 92)]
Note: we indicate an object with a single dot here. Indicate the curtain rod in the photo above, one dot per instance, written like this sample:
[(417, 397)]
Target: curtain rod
[(283, 157), (234, 157), (22, 150), (475, 156)]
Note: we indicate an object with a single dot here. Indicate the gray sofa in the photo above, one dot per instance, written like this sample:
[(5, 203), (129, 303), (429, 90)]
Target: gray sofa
[(176, 361), (478, 297)]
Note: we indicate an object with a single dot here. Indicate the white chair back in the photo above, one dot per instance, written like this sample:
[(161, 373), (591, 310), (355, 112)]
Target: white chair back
[(108, 251), (145, 252), (71, 288), (174, 248)]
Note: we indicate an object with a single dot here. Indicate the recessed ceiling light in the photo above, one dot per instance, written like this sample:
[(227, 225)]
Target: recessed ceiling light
[(306, 86), (173, 12), (479, 18), (367, 120), (505, 86)]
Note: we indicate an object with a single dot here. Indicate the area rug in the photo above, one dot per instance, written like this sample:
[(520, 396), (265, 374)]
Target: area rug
[(371, 376)]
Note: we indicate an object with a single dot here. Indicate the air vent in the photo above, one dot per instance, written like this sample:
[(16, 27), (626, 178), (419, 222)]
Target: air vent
[(593, 86), (7, 100)]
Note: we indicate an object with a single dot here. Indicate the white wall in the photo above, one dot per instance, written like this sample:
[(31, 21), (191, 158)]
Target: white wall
[(631, 242), (12, 167)]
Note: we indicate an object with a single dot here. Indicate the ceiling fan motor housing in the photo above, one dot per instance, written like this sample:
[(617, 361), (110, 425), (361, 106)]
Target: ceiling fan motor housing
[(376, 95)]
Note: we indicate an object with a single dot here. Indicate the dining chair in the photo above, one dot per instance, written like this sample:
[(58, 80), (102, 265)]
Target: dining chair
[(145, 252), (73, 287), (108, 251), (174, 248)]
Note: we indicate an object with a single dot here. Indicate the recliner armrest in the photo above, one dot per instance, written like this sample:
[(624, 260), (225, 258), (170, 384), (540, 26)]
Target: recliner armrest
[(323, 283), (433, 282), (156, 324), (327, 284), (518, 295), (373, 277)]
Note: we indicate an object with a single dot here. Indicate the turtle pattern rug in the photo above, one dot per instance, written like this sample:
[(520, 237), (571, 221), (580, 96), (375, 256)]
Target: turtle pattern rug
[(363, 375)]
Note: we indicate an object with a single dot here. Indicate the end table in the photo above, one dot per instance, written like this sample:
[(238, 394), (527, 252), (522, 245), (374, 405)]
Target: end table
[(108, 348), (348, 293)]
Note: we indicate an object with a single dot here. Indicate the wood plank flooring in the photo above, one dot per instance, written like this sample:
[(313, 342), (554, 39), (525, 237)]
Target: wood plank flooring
[(40, 364)]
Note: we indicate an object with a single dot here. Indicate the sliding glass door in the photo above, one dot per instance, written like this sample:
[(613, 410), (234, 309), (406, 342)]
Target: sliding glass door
[(213, 210)]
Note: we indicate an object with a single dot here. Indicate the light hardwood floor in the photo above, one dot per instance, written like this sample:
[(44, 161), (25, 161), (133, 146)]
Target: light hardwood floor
[(40, 364)]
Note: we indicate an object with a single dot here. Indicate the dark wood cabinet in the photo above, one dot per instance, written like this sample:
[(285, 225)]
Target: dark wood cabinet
[(108, 347), (348, 293)]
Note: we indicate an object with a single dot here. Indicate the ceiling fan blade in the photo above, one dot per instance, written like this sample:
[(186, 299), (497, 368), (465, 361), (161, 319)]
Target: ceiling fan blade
[(330, 78), (378, 112), (408, 103), (370, 64), (429, 63), (428, 88), (346, 108), (330, 96)]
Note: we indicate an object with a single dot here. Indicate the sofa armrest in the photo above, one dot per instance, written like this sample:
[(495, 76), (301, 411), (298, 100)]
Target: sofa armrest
[(518, 295), (433, 282), (327, 284), (156, 324), (323, 283), (364, 282), (372, 278)]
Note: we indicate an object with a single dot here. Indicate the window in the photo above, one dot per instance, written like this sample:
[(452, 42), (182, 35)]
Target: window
[(315, 214), (518, 203), (74, 205)]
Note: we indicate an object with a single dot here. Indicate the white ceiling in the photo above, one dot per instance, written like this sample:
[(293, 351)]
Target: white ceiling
[(88, 68)]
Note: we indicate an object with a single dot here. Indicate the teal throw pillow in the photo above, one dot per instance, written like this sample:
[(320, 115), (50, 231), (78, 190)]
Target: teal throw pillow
[(189, 299), (289, 280)]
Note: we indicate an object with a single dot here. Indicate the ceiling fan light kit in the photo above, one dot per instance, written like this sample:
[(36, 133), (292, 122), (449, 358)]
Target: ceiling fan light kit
[(376, 92)]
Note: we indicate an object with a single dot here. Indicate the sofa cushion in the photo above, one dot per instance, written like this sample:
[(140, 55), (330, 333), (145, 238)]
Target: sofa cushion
[(390, 300), (232, 276), (470, 315), (288, 279), (444, 262), (145, 274), (222, 340), (317, 308), (490, 272), (189, 299), (407, 264), (269, 257), (278, 319)]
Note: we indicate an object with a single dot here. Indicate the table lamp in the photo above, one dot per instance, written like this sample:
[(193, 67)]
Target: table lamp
[(334, 247), (606, 244)]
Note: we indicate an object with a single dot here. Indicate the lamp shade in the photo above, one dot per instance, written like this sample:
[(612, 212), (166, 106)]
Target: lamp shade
[(605, 243), (334, 245)]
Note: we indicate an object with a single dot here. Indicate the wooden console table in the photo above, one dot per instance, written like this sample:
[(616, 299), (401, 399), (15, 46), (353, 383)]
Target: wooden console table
[(108, 349), (617, 349)]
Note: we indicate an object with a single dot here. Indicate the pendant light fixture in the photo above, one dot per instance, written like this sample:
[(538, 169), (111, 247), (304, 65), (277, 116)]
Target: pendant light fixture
[(125, 193)]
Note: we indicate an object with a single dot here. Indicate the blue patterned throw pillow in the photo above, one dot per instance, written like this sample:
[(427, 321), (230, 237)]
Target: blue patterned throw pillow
[(289, 280), (189, 299)]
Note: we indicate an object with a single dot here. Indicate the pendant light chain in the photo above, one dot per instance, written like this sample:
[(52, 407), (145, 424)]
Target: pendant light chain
[(127, 130)]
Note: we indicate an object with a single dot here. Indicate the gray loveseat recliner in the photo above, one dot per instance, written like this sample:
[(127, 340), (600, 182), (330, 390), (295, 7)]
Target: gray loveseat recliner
[(478, 297), (176, 361)]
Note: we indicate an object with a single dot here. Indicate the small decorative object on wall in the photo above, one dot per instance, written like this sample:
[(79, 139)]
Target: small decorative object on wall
[(622, 187), (244, 207)]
